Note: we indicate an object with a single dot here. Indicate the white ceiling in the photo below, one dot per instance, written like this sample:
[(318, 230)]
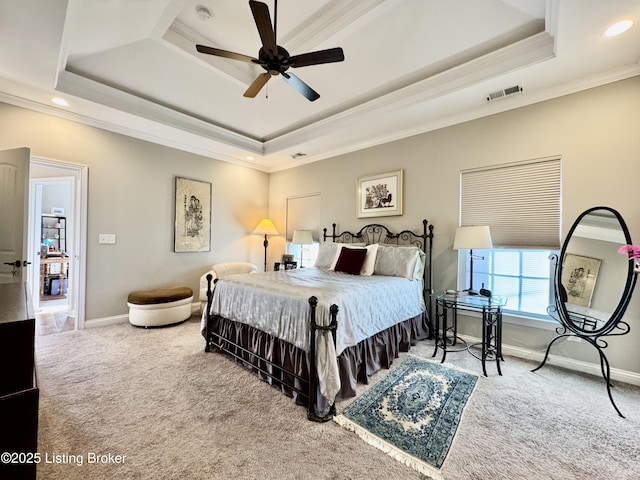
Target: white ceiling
[(410, 66)]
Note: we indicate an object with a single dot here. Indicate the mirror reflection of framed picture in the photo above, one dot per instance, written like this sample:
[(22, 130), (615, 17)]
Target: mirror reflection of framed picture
[(579, 275)]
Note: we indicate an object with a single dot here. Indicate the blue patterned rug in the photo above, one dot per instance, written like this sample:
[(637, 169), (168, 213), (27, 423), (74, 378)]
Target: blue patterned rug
[(413, 413)]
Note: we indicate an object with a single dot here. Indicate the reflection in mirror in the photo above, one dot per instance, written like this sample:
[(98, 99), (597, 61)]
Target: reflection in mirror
[(593, 284), (593, 273)]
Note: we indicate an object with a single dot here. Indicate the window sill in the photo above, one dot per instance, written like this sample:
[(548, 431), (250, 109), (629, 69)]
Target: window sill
[(531, 322), (522, 320)]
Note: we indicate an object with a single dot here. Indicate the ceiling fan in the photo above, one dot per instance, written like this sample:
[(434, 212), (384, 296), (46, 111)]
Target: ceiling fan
[(274, 58)]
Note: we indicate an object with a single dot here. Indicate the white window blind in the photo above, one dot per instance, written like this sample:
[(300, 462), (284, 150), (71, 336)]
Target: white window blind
[(521, 202)]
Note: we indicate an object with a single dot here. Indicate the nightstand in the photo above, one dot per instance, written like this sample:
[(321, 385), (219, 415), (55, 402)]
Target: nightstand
[(446, 326)]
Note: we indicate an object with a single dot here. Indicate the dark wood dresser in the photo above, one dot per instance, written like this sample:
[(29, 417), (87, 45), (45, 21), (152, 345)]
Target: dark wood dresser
[(19, 394)]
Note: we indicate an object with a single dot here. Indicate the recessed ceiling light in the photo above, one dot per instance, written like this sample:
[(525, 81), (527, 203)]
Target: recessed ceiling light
[(60, 101), (249, 158), (618, 28)]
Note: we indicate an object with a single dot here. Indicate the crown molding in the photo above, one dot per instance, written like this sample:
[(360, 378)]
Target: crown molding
[(183, 39), (534, 49), (334, 17), (380, 138), (75, 84)]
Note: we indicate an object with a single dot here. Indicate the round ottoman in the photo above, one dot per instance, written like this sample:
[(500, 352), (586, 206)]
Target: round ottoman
[(160, 306)]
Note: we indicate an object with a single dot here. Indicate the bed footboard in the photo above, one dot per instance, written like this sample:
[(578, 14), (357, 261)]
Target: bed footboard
[(278, 373), (313, 372)]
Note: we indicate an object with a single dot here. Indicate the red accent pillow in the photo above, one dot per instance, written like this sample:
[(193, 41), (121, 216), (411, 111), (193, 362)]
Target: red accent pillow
[(351, 260)]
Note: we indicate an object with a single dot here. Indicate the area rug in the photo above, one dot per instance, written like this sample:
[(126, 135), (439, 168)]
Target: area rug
[(413, 413)]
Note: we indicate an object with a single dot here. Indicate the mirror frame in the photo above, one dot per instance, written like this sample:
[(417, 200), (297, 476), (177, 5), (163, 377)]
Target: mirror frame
[(630, 283)]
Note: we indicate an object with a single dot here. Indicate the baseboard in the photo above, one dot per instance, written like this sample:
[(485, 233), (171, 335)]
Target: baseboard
[(104, 321), (625, 376)]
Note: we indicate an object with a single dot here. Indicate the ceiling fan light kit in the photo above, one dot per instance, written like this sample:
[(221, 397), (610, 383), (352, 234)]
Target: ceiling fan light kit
[(273, 58)]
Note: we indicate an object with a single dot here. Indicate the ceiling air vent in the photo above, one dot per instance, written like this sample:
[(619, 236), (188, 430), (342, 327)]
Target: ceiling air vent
[(298, 155), (504, 93)]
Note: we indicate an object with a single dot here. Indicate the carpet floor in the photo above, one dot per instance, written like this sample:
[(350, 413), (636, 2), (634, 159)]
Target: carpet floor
[(172, 411)]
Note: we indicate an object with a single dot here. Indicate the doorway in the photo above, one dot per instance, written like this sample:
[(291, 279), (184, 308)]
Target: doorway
[(57, 244)]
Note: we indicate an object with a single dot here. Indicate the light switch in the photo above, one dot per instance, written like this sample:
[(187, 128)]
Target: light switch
[(107, 238)]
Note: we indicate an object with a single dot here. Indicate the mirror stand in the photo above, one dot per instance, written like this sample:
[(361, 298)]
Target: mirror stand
[(577, 325)]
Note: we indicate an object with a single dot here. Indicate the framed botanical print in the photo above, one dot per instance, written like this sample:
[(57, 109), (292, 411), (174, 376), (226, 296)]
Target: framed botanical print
[(193, 216), (380, 195)]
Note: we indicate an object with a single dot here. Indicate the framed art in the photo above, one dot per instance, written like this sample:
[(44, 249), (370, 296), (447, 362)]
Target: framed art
[(193, 216), (579, 276), (380, 195), (287, 257)]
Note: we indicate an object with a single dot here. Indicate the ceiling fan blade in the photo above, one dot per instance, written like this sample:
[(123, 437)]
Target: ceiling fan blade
[(314, 58), (224, 53), (257, 85), (300, 86), (265, 28)]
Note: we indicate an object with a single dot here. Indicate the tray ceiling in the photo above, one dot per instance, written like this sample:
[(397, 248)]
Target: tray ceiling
[(410, 66)]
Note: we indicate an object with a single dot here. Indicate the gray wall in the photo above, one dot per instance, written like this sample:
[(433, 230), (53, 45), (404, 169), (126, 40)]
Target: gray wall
[(131, 191), (131, 188), (595, 132)]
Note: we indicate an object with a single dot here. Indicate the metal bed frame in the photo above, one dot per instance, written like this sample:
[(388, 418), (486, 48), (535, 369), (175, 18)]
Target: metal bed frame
[(369, 234)]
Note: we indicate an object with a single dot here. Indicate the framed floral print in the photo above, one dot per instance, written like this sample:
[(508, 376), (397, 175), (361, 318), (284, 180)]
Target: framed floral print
[(380, 195)]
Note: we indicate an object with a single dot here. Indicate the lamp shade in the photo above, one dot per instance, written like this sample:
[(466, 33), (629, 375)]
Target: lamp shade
[(266, 227), (472, 238), (302, 237)]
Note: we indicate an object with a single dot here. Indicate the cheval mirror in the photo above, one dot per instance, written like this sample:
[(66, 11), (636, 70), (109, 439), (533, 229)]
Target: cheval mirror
[(593, 284)]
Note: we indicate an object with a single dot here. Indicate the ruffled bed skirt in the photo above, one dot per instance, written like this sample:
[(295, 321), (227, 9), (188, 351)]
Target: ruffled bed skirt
[(356, 364)]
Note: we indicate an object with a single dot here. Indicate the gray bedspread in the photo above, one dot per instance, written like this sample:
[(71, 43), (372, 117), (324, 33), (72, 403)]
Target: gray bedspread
[(277, 303)]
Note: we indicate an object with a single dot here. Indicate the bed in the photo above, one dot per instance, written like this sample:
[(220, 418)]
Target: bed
[(316, 332)]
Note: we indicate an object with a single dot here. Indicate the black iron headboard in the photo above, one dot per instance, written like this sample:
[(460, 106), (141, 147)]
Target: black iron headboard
[(376, 233)]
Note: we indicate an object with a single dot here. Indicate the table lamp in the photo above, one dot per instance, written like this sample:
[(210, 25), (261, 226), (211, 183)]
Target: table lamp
[(470, 238), (302, 237), (265, 227)]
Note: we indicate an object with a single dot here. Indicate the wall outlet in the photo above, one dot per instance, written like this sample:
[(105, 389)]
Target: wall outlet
[(107, 238)]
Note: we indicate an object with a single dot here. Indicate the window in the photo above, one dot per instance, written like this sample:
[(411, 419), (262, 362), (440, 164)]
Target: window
[(524, 277), (305, 255), (303, 213), (521, 204)]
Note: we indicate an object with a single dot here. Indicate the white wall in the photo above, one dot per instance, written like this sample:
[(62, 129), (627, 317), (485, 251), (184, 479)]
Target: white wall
[(131, 194), (595, 132)]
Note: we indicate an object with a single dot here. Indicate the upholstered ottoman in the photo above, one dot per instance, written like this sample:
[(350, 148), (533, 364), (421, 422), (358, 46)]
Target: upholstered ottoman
[(160, 306)]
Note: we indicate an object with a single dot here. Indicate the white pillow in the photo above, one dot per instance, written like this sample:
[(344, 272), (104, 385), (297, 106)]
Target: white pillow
[(327, 255), (397, 262), (370, 260)]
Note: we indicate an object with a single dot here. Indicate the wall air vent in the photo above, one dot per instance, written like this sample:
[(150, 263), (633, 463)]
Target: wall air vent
[(504, 93)]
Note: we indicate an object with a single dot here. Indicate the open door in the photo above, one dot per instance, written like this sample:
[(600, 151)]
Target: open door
[(14, 204), (63, 185)]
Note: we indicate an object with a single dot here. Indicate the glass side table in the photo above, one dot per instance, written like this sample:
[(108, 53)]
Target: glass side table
[(446, 326)]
